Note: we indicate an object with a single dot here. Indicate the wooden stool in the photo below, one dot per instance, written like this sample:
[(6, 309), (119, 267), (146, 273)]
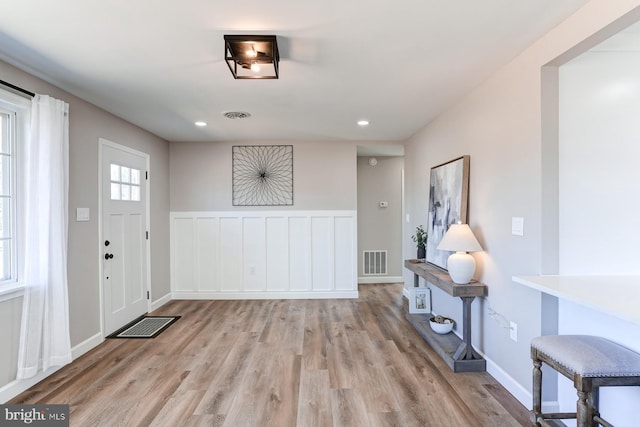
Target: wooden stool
[(590, 362)]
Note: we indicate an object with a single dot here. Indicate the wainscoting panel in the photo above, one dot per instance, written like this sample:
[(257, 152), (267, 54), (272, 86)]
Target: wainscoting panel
[(206, 254), (183, 254), (246, 255), (345, 268), (277, 242), (254, 250), (321, 253), (230, 261), (300, 253)]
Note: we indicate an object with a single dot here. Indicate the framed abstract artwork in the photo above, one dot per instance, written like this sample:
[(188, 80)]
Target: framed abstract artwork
[(262, 175), (448, 198)]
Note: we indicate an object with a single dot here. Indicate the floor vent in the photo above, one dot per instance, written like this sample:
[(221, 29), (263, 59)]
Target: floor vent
[(145, 327), (375, 263)]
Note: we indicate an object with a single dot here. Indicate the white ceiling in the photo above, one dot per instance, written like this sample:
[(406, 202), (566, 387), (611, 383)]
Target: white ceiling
[(159, 64)]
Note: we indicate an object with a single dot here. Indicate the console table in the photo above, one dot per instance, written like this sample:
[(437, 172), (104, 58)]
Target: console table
[(457, 353)]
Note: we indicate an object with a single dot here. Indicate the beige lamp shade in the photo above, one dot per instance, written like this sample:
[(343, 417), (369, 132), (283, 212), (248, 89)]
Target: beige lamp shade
[(459, 238)]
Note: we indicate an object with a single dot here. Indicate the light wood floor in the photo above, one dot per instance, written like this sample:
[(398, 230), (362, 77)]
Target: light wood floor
[(278, 363)]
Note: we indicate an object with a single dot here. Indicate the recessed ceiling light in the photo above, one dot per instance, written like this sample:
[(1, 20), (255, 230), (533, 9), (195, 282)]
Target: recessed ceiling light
[(363, 122), (200, 124)]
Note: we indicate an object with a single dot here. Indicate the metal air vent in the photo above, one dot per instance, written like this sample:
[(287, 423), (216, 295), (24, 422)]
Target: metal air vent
[(235, 115), (375, 263)]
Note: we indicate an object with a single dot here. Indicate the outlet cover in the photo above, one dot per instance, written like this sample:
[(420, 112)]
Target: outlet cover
[(513, 331), (517, 226)]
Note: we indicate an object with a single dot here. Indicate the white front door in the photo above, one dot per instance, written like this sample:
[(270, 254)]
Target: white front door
[(124, 234)]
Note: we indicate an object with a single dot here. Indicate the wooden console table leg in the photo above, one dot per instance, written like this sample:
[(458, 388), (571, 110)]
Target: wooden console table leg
[(465, 351)]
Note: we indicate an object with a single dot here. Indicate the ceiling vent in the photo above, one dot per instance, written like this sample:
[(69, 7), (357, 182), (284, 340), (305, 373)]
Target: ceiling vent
[(235, 115)]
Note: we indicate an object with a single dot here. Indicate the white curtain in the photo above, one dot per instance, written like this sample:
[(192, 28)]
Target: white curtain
[(44, 335)]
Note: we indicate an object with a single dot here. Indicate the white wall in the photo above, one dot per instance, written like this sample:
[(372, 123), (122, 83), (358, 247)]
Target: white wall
[(599, 184), (499, 125), (599, 173)]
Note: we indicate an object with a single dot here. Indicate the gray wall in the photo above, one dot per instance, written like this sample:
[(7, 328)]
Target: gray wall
[(499, 124), (86, 124), (324, 176), (380, 228)]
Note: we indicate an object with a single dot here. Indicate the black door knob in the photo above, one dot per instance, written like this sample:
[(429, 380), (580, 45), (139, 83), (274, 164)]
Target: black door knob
[(107, 243), (108, 256)]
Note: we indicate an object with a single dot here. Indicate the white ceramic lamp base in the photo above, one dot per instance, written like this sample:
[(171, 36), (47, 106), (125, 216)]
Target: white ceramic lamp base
[(461, 267)]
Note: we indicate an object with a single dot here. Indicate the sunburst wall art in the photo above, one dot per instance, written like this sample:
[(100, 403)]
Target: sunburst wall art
[(262, 175)]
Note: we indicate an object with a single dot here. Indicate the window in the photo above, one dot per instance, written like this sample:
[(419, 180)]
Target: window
[(125, 183), (14, 127), (7, 196)]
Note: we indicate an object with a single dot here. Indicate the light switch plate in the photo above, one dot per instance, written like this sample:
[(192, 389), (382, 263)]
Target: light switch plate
[(517, 226), (82, 214)]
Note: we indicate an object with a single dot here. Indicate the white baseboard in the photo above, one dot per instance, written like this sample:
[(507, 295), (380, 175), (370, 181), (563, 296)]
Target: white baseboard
[(14, 388), (380, 279), (516, 389), (160, 302), (507, 381), (264, 295), (86, 345)]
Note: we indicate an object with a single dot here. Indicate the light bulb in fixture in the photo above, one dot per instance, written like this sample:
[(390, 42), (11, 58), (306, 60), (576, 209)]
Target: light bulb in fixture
[(363, 123), (255, 67), (200, 124), (252, 53)]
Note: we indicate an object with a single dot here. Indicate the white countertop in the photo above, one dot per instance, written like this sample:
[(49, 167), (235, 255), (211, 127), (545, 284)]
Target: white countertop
[(617, 296)]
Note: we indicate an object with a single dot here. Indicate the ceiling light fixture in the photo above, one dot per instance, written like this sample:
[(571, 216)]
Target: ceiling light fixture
[(200, 124), (252, 57), (363, 122)]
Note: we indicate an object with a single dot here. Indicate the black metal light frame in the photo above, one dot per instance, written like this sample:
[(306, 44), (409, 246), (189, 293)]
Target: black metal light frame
[(235, 56)]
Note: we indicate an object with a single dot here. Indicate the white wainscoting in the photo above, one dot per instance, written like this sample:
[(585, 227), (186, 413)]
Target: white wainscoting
[(249, 255)]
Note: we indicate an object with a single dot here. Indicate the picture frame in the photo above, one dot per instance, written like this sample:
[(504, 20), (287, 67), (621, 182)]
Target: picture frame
[(419, 300), (448, 204), (262, 175)]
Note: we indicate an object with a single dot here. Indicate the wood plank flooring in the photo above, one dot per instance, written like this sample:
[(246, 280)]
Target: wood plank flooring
[(278, 363)]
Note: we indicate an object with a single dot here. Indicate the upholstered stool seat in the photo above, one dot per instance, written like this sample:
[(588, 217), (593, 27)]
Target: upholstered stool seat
[(590, 362)]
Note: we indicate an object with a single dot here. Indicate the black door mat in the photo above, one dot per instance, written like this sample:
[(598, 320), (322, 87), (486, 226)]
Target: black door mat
[(145, 327)]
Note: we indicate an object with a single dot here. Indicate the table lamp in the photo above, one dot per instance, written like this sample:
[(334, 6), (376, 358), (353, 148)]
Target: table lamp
[(460, 239)]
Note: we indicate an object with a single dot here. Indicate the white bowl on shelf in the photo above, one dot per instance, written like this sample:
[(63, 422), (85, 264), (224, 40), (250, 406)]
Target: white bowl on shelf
[(441, 328)]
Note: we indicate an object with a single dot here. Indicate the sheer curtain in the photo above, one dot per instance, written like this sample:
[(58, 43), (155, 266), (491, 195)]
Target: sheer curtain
[(44, 335)]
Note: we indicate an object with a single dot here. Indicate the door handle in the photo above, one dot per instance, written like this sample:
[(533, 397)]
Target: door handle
[(107, 243), (108, 256)]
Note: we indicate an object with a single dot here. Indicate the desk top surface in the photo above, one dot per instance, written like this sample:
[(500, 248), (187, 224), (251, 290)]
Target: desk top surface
[(616, 296)]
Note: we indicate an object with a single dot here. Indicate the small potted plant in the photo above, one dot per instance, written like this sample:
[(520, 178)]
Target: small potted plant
[(421, 240)]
